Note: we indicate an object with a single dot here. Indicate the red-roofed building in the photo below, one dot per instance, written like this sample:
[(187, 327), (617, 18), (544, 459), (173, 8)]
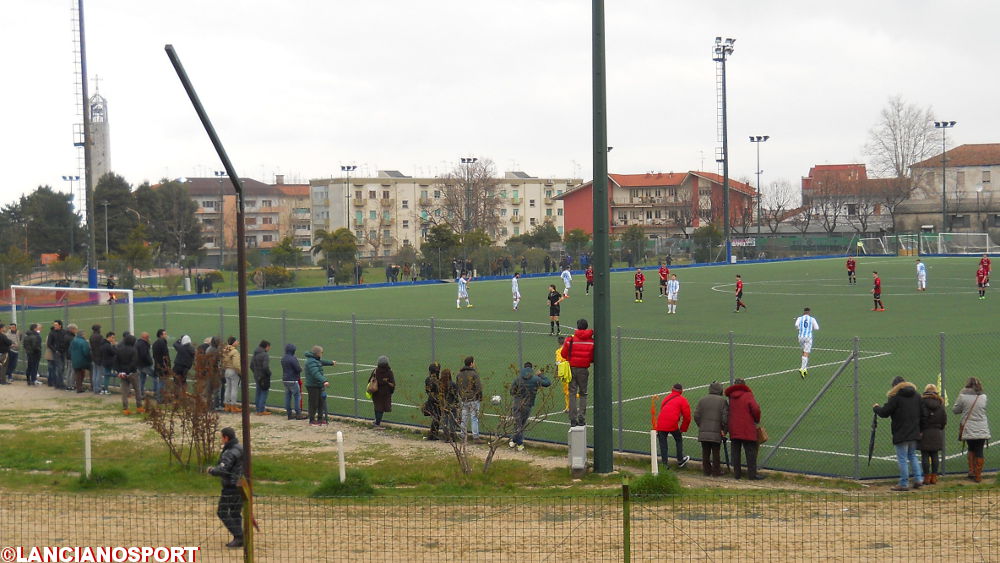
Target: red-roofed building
[(663, 204)]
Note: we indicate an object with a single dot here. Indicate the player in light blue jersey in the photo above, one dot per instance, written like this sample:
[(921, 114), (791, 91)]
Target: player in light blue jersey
[(921, 276), (673, 287), (805, 325), (463, 291), (567, 279), (515, 289)]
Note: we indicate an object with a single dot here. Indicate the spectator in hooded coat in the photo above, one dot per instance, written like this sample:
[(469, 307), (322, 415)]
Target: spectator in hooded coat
[(971, 408), (744, 416), (382, 398), (903, 406), (932, 422), (291, 371), (261, 366), (711, 415)]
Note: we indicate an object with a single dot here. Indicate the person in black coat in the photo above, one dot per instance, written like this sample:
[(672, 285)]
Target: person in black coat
[(96, 344), (55, 351), (903, 407), (109, 350), (161, 363), (32, 344), (127, 366), (183, 361), (230, 469), (432, 407), (933, 419)]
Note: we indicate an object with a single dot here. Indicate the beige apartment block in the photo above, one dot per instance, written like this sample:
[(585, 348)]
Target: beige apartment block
[(391, 210)]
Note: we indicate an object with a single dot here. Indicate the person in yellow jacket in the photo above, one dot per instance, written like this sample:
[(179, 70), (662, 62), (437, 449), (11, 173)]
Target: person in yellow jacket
[(231, 366), (562, 371)]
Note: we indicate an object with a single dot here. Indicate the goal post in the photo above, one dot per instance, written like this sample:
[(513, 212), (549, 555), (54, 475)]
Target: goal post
[(81, 305), (965, 243)]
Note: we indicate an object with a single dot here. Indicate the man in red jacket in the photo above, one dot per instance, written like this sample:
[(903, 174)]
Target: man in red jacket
[(744, 416), (579, 352), (674, 419)]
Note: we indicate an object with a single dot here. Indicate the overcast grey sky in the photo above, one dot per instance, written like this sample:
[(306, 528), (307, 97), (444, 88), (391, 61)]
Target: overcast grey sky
[(300, 87)]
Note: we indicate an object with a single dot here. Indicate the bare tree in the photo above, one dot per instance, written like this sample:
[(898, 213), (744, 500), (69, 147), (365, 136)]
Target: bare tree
[(903, 136), (776, 201), (471, 198), (803, 217), (684, 220), (866, 201), (892, 192), (827, 200)]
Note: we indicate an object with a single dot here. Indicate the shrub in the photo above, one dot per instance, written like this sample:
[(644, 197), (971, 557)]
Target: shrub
[(214, 275), (103, 479), (356, 485), (272, 276), (666, 483)]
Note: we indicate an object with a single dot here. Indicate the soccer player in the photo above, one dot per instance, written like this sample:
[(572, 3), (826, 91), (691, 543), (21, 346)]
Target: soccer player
[(554, 300), (640, 280), (664, 277), (851, 266), (589, 274), (877, 292), (985, 263), (463, 291), (921, 276), (567, 279), (673, 288), (739, 294), (806, 324), (982, 280), (515, 290)]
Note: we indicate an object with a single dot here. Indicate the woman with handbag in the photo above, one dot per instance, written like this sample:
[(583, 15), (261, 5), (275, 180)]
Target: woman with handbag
[(744, 421), (973, 429), (381, 386)]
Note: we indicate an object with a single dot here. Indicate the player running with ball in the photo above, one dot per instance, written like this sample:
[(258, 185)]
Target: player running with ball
[(805, 325)]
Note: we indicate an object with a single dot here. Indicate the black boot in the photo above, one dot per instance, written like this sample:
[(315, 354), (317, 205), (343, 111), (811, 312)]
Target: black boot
[(237, 542)]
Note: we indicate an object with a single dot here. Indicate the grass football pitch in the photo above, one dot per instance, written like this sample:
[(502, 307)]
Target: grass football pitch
[(697, 345)]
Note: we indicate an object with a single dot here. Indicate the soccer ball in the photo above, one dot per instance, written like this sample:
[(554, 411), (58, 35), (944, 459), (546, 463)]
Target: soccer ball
[(495, 399)]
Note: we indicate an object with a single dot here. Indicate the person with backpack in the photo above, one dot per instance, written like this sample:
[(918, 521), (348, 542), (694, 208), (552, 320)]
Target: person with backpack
[(674, 420), (523, 390)]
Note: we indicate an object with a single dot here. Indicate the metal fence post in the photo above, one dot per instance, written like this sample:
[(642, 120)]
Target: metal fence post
[(520, 346), (113, 318), (433, 355), (944, 382), (354, 360), (621, 432), (857, 415), (732, 359), (626, 521), (164, 314), (65, 313), (284, 328), (222, 325)]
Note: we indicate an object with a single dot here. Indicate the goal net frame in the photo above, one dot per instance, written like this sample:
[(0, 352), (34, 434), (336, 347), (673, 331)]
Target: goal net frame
[(98, 297), (956, 243), (865, 246)]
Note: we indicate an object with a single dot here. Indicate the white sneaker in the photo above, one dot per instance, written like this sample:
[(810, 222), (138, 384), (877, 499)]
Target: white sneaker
[(511, 444), (520, 448), (684, 461)]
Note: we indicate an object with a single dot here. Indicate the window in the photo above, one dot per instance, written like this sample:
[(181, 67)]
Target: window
[(406, 242), (267, 220), (516, 194), (437, 212), (672, 192), (559, 212), (385, 194), (251, 241), (531, 203), (371, 194), (548, 212), (959, 221), (437, 194), (986, 176), (515, 212), (649, 214), (266, 203), (266, 238), (705, 191), (208, 222), (560, 230), (852, 209), (548, 193), (960, 178), (503, 231), (359, 216), (406, 204), (532, 221), (503, 194), (996, 220), (210, 241), (503, 211), (359, 234), (251, 203), (423, 232), (373, 215), (386, 234), (210, 204), (357, 194), (406, 224), (423, 194), (372, 234), (658, 214), (424, 215), (517, 231), (622, 215), (385, 215), (387, 252), (558, 192), (250, 221)]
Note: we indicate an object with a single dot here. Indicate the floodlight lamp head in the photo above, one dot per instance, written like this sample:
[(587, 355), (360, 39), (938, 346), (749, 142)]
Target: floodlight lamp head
[(766, 137)]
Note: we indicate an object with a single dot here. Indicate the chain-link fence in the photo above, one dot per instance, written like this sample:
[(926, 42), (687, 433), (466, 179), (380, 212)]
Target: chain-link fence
[(926, 526)]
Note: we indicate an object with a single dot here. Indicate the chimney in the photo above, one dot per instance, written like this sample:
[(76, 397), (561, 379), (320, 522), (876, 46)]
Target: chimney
[(279, 179)]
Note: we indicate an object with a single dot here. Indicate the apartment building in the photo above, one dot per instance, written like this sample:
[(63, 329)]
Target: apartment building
[(966, 180), (391, 210)]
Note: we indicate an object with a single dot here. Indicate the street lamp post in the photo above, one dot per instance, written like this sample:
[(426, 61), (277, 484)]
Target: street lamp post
[(944, 126), (72, 228), (979, 218), (757, 140), (468, 162), (221, 229), (347, 169), (107, 251), (721, 51)]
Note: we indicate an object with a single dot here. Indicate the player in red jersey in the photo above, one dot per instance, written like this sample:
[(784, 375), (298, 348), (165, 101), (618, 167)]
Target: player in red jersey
[(640, 280), (982, 280), (664, 275), (851, 266), (739, 294), (984, 262), (877, 292), (589, 274)]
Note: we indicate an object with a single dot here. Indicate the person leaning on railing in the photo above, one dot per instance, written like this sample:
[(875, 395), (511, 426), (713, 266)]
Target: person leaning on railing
[(316, 382)]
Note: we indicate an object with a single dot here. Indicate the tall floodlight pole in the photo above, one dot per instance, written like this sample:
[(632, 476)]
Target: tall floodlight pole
[(88, 180), (72, 228), (347, 169), (979, 218), (468, 161), (107, 250), (757, 140), (944, 126), (721, 51), (603, 431), (221, 229)]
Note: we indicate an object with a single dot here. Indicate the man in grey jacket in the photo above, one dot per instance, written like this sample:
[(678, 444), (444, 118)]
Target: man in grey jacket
[(15, 349), (712, 416), (230, 469)]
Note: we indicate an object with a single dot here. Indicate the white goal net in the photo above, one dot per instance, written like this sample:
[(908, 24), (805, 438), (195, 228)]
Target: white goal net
[(956, 243), (113, 309)]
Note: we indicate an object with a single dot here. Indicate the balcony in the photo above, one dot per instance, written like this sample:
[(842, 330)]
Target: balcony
[(515, 219), (387, 202), (386, 221), (359, 202), (424, 202), (358, 222), (515, 201), (549, 219), (548, 201)]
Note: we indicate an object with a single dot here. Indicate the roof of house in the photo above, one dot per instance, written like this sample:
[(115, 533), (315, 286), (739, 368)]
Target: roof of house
[(661, 179), (294, 190), (211, 186), (733, 184), (986, 154)]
